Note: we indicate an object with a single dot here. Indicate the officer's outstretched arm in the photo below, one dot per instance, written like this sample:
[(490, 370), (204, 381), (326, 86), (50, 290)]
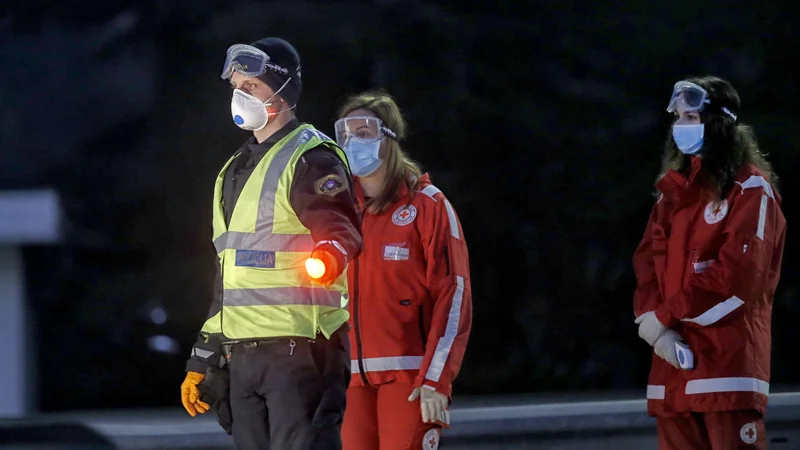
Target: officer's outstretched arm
[(323, 198)]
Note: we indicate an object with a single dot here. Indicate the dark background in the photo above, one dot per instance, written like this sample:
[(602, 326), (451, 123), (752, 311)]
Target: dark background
[(541, 121)]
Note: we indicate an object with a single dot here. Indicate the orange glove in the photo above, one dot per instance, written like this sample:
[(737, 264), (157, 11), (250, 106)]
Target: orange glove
[(190, 396)]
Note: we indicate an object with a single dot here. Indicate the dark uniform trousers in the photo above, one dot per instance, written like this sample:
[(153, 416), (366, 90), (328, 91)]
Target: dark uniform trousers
[(289, 397)]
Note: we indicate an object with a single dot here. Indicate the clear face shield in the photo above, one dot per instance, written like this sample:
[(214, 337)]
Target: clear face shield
[(245, 59)]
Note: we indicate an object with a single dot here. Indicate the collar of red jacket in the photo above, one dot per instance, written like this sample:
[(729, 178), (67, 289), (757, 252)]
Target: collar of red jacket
[(679, 188), (424, 180)]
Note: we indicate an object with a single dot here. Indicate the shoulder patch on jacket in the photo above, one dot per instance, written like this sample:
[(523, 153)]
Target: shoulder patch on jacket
[(329, 185)]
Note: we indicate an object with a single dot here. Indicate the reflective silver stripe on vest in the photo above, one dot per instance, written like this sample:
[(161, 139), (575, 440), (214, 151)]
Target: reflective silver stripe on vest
[(283, 296), (263, 239)]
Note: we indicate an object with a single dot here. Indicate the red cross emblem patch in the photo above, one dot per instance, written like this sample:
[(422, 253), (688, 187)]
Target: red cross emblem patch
[(404, 215), (715, 211), (431, 440), (748, 433)]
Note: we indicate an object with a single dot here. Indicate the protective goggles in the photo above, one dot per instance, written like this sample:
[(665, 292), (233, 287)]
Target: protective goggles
[(365, 129), (691, 96), (248, 61)]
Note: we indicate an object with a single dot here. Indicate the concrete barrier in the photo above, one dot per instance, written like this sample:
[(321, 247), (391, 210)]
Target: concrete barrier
[(477, 424), (26, 218)]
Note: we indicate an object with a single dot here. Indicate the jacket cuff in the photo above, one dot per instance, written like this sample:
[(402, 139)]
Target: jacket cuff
[(442, 388), (335, 250), (665, 316), (195, 365)]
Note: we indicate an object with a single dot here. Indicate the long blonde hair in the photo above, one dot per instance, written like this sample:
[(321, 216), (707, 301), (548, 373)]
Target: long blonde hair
[(400, 169)]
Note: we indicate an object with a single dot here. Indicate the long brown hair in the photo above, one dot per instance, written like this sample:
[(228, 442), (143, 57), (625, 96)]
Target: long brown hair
[(727, 144), (400, 169)]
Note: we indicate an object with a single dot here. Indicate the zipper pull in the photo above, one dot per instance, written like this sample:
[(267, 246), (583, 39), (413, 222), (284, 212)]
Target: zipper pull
[(292, 343)]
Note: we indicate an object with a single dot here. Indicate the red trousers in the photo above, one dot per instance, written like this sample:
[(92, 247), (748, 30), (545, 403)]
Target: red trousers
[(382, 418), (723, 430)]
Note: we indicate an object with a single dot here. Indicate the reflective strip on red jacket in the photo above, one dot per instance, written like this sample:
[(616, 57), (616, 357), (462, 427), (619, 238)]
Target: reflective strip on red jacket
[(411, 305), (709, 270)]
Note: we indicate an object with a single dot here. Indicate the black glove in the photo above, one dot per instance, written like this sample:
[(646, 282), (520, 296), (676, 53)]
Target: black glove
[(215, 390), (332, 356)]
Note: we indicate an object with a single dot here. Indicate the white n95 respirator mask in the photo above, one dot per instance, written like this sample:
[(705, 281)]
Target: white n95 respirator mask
[(248, 112)]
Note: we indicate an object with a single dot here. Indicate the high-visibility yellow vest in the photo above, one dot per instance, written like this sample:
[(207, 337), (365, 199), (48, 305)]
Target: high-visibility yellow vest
[(266, 290)]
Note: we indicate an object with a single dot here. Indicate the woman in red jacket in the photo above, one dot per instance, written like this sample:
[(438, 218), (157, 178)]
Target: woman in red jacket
[(707, 269), (410, 305)]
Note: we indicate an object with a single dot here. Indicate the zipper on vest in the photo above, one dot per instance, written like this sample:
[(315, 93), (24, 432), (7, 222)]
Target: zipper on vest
[(359, 352)]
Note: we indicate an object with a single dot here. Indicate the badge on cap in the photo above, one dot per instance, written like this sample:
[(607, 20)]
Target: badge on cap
[(329, 185)]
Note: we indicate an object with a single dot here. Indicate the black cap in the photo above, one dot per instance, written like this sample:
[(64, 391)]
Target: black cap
[(283, 64)]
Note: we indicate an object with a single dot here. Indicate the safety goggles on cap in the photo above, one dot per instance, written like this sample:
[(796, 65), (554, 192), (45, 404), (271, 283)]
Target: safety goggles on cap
[(245, 59), (691, 96), (366, 129)]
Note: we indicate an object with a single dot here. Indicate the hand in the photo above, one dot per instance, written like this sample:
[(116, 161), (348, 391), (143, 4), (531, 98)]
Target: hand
[(190, 396), (331, 271), (432, 404), (665, 347), (650, 329)]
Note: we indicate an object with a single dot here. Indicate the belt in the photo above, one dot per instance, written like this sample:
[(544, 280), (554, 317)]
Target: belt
[(228, 346)]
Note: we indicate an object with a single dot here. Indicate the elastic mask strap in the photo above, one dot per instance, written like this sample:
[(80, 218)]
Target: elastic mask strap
[(281, 111), (277, 92), (268, 103)]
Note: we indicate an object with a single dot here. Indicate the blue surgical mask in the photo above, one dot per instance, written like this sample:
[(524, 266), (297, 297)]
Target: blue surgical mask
[(362, 156), (688, 138)]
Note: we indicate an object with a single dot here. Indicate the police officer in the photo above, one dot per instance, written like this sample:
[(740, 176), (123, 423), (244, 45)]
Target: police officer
[(284, 198)]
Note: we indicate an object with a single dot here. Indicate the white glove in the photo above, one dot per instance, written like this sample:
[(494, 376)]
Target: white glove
[(650, 329), (432, 405), (665, 347)]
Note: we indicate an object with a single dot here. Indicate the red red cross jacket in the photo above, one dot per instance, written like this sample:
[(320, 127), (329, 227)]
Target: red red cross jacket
[(410, 306), (709, 270)]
